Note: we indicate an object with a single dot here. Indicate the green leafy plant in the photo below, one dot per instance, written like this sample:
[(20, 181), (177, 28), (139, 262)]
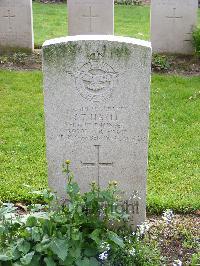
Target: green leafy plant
[(84, 230), (3, 59), (195, 259), (196, 40), (19, 58), (16, 58), (160, 62)]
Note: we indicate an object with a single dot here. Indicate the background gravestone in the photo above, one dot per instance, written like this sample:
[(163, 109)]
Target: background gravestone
[(172, 23), (16, 27), (90, 17), (97, 112)]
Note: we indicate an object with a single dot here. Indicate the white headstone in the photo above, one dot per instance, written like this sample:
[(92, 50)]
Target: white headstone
[(16, 27), (172, 23), (90, 17), (97, 112)]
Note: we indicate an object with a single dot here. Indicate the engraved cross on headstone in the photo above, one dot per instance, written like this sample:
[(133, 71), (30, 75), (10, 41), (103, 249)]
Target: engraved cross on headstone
[(98, 163), (9, 16), (174, 17), (90, 17)]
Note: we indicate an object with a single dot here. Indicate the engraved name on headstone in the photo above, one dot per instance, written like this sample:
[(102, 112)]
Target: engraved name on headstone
[(172, 23), (16, 27), (97, 111), (90, 17)]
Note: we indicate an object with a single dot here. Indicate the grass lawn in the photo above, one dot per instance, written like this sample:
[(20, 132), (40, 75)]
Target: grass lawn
[(174, 139), (50, 21), (130, 21), (22, 153)]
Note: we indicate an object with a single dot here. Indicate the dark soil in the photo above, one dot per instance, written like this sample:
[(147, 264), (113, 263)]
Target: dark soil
[(176, 64), (22, 61), (180, 65), (178, 240)]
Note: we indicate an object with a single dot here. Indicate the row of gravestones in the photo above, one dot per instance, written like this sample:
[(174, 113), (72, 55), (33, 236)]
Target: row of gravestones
[(172, 22), (96, 98)]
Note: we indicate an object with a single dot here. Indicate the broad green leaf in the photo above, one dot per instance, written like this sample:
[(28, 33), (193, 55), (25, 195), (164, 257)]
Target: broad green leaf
[(31, 221), (35, 233), (87, 262), (94, 262), (75, 252), (23, 246), (43, 245), (69, 261), (45, 240), (4, 257), (90, 197), (95, 235), (16, 254), (90, 252), (26, 260), (75, 188), (49, 261), (84, 262), (116, 239), (2, 229), (59, 248), (76, 235), (35, 261), (47, 226)]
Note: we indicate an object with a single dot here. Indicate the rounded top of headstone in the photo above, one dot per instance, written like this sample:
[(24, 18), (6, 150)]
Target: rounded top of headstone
[(109, 38)]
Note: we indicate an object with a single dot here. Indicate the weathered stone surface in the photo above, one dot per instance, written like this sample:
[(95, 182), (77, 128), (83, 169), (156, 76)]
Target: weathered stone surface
[(97, 112), (90, 17), (172, 23), (16, 27)]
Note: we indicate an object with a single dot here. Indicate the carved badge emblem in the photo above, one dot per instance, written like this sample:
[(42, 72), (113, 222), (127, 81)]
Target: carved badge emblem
[(95, 80)]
